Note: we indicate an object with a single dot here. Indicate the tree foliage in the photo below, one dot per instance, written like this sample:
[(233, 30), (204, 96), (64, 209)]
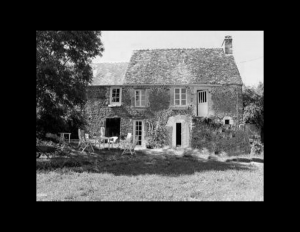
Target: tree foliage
[(63, 71), (253, 100)]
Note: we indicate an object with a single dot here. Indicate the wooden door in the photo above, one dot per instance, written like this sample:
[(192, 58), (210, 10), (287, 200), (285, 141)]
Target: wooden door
[(202, 103)]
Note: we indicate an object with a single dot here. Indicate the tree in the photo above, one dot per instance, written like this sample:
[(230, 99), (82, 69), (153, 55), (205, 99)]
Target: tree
[(253, 101), (63, 72)]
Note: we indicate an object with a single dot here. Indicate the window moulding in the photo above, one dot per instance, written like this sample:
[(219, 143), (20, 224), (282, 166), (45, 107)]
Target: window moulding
[(115, 104)]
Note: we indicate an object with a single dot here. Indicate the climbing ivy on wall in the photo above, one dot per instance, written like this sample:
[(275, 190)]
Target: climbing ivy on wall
[(96, 93), (224, 100), (159, 99), (157, 134)]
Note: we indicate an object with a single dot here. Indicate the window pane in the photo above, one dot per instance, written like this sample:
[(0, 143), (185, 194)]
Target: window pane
[(143, 92), (117, 99), (137, 103), (176, 90), (176, 96), (143, 102), (183, 96), (115, 92), (183, 102), (176, 102), (143, 97), (183, 90)]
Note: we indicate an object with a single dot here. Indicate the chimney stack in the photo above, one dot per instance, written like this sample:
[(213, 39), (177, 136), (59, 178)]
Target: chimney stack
[(228, 45)]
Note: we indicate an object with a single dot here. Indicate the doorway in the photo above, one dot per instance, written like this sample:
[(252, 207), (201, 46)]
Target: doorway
[(202, 103), (112, 127), (138, 129), (178, 134)]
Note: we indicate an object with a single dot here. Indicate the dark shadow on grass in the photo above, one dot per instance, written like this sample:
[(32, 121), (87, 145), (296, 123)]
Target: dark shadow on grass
[(104, 161)]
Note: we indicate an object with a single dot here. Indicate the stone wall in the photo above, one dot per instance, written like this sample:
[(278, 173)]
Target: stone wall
[(227, 101), (223, 101)]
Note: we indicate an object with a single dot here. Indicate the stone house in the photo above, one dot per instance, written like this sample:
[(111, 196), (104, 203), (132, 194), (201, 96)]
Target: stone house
[(178, 87)]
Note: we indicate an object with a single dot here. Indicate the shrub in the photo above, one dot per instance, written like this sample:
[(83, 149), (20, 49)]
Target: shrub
[(157, 138), (257, 147)]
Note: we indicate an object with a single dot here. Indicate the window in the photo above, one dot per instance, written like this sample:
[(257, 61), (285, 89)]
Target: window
[(140, 98), (227, 120), (180, 97), (115, 97)]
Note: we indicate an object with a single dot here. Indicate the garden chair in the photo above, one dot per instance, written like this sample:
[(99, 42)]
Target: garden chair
[(129, 145), (84, 141), (124, 142), (103, 138), (113, 140)]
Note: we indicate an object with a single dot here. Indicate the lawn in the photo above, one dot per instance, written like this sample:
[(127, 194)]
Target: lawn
[(107, 176)]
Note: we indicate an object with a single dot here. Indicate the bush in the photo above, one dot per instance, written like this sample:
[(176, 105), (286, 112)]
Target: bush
[(158, 138), (257, 147)]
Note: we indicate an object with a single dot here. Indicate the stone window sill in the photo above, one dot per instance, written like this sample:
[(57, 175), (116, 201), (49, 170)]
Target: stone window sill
[(179, 107), (114, 105)]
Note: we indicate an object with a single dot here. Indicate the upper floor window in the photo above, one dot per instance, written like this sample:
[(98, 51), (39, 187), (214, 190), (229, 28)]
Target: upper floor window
[(140, 98), (180, 97), (115, 96)]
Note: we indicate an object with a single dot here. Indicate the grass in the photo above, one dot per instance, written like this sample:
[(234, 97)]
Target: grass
[(107, 176)]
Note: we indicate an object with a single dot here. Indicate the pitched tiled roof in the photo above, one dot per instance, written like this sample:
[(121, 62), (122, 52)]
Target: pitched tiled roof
[(182, 66), (109, 73)]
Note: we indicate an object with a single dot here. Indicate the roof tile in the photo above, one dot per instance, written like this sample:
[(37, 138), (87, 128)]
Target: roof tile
[(182, 66)]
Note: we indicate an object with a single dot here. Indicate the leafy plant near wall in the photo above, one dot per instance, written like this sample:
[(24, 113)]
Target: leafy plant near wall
[(254, 107), (157, 134), (216, 137), (257, 147), (157, 138)]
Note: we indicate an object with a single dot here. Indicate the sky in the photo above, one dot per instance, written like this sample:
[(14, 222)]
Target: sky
[(247, 47)]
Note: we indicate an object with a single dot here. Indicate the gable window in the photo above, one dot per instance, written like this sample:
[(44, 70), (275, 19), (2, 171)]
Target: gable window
[(115, 96), (140, 98), (180, 97)]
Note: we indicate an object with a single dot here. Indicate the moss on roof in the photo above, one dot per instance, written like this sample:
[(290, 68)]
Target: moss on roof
[(182, 66), (109, 73)]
